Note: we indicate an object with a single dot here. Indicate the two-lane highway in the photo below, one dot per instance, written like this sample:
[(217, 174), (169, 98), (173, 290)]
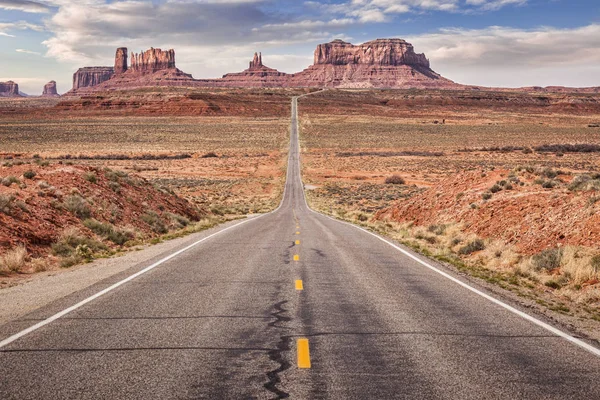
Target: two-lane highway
[(291, 304)]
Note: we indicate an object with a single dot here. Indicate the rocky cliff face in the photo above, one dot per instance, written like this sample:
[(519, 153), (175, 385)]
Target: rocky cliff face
[(392, 52), (381, 63), (121, 60), (91, 76), (50, 90), (9, 89), (152, 60)]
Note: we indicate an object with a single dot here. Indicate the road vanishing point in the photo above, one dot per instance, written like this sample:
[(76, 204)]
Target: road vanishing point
[(291, 304)]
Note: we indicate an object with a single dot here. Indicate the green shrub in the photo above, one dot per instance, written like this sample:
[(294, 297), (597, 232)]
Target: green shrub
[(472, 247), (90, 177), (9, 180), (486, 196), (547, 260), (98, 227), (29, 174), (108, 231), (553, 284), (78, 206), (155, 222), (71, 240)]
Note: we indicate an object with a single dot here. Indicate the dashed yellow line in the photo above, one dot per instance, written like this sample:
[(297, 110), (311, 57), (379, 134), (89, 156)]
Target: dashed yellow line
[(297, 242), (296, 257), (297, 232), (303, 353), (299, 285)]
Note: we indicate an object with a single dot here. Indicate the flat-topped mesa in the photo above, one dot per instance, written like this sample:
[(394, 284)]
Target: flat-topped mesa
[(152, 60), (91, 76), (121, 60), (9, 89), (50, 90), (392, 52)]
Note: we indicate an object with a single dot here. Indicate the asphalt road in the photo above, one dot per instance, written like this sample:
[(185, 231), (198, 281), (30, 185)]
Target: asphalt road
[(224, 319)]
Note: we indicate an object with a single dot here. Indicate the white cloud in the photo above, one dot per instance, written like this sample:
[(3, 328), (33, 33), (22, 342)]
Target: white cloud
[(24, 5), (24, 51), (502, 56), (6, 27)]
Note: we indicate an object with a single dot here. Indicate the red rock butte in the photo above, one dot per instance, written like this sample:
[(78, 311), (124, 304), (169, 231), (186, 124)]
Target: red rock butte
[(381, 63), (9, 89)]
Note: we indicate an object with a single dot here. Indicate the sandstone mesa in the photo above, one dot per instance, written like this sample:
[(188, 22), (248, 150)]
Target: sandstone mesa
[(381, 63)]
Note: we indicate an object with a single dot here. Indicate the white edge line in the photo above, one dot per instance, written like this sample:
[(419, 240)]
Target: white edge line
[(74, 307), (66, 311), (592, 349)]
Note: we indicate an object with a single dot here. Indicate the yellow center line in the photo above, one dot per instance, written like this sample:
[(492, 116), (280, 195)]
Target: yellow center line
[(303, 353), (297, 232), (299, 285), (296, 257), (297, 242)]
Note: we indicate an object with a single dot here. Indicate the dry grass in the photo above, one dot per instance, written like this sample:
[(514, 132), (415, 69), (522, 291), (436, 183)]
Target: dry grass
[(14, 260)]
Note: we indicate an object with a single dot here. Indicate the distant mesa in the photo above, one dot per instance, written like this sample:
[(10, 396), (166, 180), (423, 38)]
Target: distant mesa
[(381, 63), (9, 89), (50, 90)]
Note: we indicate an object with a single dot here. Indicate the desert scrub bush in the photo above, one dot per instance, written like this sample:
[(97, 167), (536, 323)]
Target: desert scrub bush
[(115, 176), (14, 260), (29, 174), (155, 222), (177, 221), (437, 229), (9, 180), (548, 173), (585, 182), (78, 206), (109, 231), (115, 187), (98, 227), (486, 196), (91, 177), (71, 240), (549, 184), (395, 180), (547, 260), (496, 188), (6, 204), (595, 263), (472, 247)]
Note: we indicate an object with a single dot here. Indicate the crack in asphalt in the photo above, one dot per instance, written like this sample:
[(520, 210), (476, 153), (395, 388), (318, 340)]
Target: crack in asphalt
[(276, 355)]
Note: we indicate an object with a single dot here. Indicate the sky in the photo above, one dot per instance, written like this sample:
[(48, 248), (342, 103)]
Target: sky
[(500, 43)]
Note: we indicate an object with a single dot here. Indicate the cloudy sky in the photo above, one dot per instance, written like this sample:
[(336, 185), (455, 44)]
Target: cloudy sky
[(484, 42)]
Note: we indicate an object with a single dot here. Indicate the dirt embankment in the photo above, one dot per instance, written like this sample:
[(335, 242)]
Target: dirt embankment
[(530, 210), (39, 203)]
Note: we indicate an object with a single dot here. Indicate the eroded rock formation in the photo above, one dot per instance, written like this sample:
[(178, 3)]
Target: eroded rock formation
[(257, 75), (393, 52), (121, 60), (381, 63), (91, 76), (152, 60), (50, 90), (9, 89)]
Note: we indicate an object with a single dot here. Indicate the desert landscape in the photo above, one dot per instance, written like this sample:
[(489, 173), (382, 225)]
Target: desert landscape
[(466, 197)]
